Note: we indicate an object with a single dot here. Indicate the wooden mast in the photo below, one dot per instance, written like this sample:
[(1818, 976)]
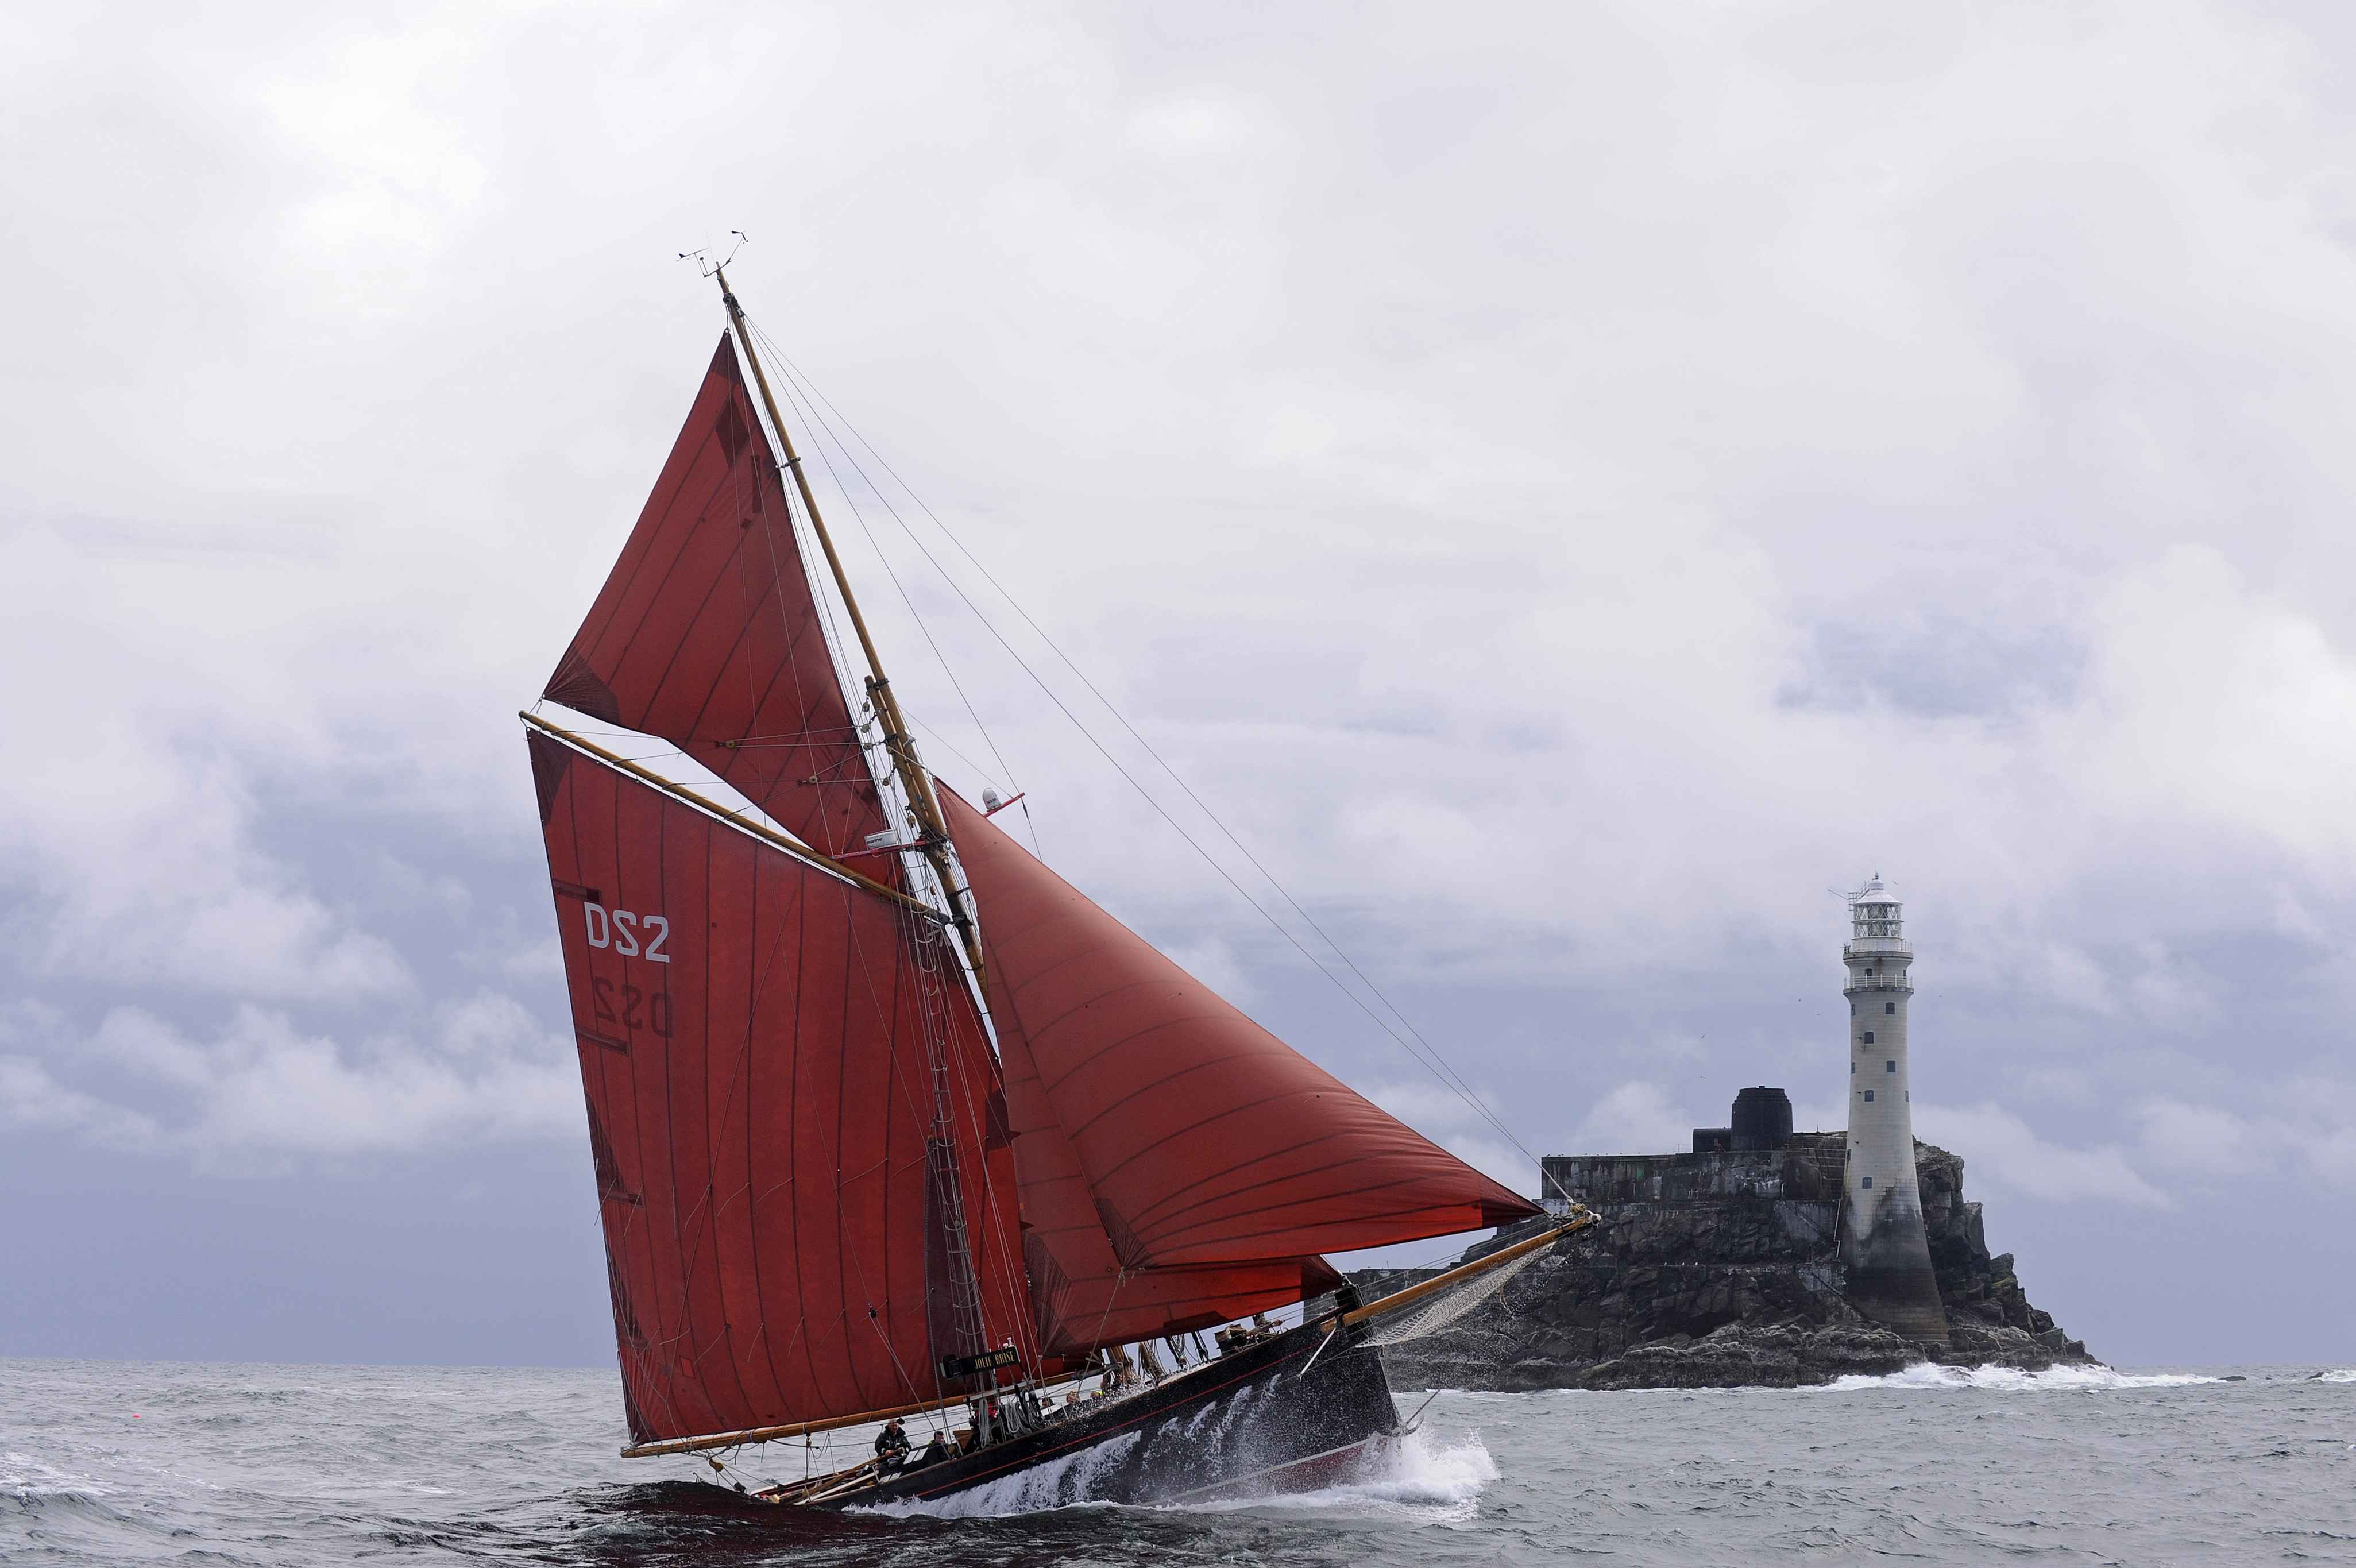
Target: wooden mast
[(932, 831)]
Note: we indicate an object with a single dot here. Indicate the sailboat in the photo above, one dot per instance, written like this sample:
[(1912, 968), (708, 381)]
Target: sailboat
[(891, 1123)]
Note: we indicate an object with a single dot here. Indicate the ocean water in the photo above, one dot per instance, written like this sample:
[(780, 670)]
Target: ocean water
[(133, 1462)]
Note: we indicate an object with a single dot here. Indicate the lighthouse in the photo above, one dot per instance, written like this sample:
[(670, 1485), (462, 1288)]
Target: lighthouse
[(1887, 1259)]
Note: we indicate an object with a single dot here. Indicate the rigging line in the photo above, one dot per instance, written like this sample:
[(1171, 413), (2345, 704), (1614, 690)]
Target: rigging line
[(807, 398), (980, 771), (804, 530), (807, 403), (948, 898), (812, 424), (1437, 1065), (996, 1213)]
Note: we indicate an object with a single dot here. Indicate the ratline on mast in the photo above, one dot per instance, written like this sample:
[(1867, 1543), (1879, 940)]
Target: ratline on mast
[(835, 1191)]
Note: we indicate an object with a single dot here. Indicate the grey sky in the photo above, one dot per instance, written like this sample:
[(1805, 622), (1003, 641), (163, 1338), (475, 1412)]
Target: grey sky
[(1567, 484)]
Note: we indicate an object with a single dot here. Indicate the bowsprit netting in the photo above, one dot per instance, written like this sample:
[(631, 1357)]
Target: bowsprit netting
[(1453, 1304)]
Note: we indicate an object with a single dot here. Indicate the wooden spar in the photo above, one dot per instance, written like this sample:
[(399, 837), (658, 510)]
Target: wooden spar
[(799, 851), (803, 1428), (1578, 1220), (933, 830)]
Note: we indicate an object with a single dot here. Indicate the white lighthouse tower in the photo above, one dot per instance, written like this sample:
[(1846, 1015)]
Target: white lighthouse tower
[(1887, 1261)]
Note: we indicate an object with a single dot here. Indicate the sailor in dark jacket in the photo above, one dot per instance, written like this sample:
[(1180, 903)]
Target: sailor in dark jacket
[(935, 1451), (890, 1447)]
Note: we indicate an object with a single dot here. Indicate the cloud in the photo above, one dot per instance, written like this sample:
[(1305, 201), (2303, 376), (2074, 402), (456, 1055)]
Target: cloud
[(260, 1095), (31, 1098), (1566, 486), (2001, 1150), (1635, 1118), (1467, 1128), (2314, 1135)]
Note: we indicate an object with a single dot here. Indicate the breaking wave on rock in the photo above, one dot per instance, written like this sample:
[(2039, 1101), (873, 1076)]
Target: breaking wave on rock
[(1929, 1375)]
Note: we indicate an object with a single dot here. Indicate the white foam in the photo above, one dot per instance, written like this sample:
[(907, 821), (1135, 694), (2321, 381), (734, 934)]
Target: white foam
[(1929, 1375), (30, 1481), (1055, 1484), (2337, 1375), (1411, 1477)]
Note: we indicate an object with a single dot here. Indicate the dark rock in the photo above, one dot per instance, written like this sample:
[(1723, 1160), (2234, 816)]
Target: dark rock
[(1723, 1271)]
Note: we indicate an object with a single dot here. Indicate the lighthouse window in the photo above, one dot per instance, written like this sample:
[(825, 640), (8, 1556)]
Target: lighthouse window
[(1889, 1006), (1869, 1037), (1868, 1095), (1852, 1067), (1889, 1066), (1867, 1182)]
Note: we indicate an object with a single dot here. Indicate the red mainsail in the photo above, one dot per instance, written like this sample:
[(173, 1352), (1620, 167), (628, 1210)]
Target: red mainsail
[(1202, 1140), (707, 634), (789, 1097)]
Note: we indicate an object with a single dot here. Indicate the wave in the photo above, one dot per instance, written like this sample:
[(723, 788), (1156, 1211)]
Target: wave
[(1930, 1374), (1410, 1476), (1056, 1483), (30, 1481), (1413, 1476), (2337, 1375)]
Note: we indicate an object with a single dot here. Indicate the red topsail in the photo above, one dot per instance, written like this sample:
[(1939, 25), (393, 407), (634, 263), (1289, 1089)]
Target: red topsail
[(788, 1090), (1201, 1138), (707, 632)]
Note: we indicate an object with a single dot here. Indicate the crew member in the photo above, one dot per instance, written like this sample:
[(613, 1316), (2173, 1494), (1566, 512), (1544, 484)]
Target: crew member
[(935, 1451), (890, 1447)]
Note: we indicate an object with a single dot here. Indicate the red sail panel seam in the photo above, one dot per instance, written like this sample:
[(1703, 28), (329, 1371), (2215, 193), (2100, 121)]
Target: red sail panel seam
[(677, 561)]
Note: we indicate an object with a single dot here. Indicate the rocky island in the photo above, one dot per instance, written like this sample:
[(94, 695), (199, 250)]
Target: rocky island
[(1722, 1269)]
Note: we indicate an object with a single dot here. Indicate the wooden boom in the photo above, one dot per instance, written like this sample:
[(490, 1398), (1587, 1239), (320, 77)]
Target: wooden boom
[(1578, 1219), (803, 1428), (800, 851)]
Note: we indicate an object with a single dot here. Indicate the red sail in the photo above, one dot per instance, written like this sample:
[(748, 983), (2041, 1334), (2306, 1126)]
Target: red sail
[(1084, 1298), (767, 1053), (1202, 1137), (707, 632)]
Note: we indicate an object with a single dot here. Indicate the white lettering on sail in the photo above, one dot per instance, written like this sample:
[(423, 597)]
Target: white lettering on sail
[(620, 930)]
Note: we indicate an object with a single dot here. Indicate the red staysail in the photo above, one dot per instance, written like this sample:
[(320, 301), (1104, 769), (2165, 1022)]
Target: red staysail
[(770, 1057), (1083, 1297), (707, 632), (1201, 1138)]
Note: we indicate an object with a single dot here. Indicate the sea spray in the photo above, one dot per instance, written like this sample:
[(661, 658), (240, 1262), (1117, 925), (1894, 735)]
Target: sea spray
[(1414, 1477), (1929, 1375), (1062, 1483)]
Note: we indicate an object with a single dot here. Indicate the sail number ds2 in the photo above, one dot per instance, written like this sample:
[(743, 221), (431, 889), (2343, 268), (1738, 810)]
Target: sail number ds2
[(622, 928), (629, 934)]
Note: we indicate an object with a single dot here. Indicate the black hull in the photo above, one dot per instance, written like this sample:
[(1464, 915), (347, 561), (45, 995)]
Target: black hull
[(1248, 1422)]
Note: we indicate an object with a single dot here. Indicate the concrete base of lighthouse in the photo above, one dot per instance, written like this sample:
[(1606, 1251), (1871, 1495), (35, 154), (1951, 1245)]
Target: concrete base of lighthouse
[(1889, 1273)]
